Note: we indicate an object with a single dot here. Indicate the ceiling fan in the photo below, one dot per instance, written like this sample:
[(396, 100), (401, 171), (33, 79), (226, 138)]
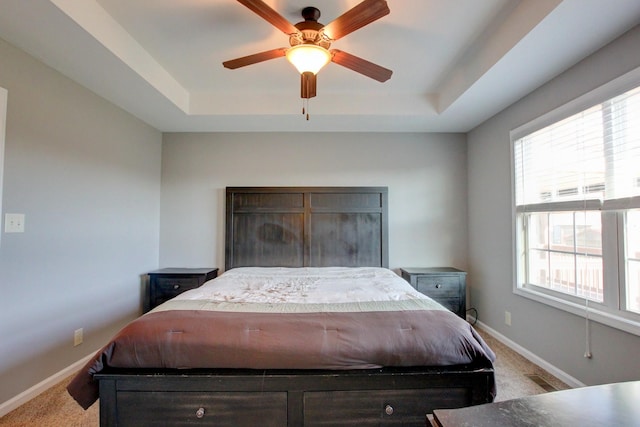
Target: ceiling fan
[(310, 40)]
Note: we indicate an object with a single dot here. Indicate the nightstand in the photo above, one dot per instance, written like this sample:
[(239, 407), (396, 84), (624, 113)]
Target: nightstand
[(446, 285), (166, 283)]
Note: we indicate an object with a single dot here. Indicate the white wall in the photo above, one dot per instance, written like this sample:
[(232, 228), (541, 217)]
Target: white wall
[(87, 177), (425, 174), (553, 335)]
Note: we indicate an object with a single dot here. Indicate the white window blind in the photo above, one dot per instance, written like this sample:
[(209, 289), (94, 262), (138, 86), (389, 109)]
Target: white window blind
[(592, 155)]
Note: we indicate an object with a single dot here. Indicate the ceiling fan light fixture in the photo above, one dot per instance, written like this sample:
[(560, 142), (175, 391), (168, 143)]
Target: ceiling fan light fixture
[(308, 57)]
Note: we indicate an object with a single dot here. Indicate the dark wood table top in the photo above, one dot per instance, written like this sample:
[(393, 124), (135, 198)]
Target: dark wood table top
[(604, 405)]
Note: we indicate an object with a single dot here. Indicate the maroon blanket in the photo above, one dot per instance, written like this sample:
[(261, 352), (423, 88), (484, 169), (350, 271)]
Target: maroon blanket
[(185, 339)]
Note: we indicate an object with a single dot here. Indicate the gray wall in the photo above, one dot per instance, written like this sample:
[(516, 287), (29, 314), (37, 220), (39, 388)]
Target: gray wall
[(87, 177), (554, 335), (425, 173)]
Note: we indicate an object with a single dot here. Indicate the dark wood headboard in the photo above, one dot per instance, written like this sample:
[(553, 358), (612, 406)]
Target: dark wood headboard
[(306, 227)]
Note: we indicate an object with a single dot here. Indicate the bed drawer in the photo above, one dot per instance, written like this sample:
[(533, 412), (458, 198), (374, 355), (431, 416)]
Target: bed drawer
[(136, 408), (376, 407)]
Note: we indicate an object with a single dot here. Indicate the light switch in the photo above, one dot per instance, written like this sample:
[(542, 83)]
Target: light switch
[(13, 223)]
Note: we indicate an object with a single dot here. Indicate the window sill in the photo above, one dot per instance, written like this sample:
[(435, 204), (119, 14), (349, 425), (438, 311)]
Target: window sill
[(609, 319)]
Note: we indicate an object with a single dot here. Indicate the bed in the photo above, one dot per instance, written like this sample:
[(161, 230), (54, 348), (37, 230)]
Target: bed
[(306, 326)]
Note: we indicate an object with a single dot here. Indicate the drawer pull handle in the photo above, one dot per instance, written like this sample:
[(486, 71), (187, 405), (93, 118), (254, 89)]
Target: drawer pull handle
[(176, 286), (200, 413), (438, 285), (388, 410)]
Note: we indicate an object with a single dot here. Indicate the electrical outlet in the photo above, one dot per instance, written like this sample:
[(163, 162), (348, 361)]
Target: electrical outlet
[(77, 337), (13, 223), (507, 318)]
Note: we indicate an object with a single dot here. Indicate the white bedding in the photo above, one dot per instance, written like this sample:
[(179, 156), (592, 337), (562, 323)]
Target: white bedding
[(307, 288)]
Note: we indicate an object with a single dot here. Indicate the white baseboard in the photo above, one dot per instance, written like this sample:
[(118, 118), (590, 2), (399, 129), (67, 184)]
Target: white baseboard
[(42, 386), (558, 373)]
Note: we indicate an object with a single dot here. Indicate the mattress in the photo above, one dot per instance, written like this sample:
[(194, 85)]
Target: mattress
[(291, 318)]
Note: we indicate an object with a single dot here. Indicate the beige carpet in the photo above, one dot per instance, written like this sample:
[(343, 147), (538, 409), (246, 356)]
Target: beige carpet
[(55, 408), (517, 376)]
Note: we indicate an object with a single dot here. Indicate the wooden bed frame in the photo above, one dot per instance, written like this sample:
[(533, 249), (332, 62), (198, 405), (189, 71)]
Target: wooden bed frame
[(295, 227)]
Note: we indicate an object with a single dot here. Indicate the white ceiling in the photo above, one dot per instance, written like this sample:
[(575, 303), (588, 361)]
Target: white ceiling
[(455, 62)]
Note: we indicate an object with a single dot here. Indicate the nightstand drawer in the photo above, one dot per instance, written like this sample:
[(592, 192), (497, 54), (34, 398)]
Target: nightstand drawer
[(167, 283), (451, 304), (439, 286), (174, 285), (445, 285)]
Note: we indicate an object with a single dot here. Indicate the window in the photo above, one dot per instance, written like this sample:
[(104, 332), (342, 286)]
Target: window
[(565, 252), (577, 208)]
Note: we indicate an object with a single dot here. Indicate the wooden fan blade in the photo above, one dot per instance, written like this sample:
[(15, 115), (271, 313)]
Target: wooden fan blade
[(360, 65), (255, 58), (268, 14), (355, 18)]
